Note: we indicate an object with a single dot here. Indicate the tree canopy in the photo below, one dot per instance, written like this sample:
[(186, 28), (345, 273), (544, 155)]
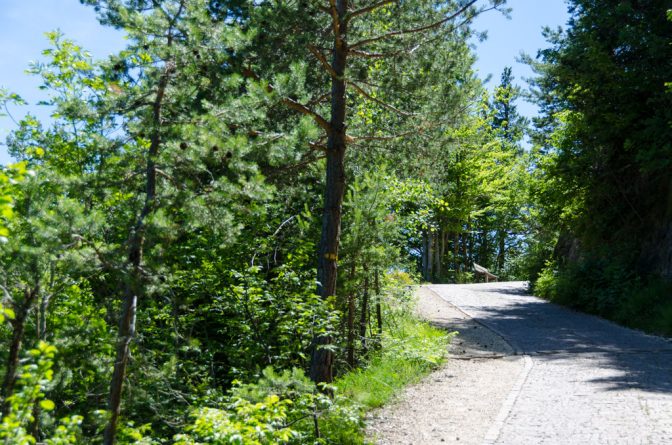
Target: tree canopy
[(226, 217)]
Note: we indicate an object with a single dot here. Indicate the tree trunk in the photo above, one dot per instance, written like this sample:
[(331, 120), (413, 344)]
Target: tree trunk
[(470, 260), (41, 335), (444, 240), (485, 249), (126, 333), (18, 330), (136, 243), (425, 249), (456, 261), (379, 310), (327, 263), (437, 255), (465, 258), (501, 238), (364, 313), (430, 256), (351, 321), (351, 331)]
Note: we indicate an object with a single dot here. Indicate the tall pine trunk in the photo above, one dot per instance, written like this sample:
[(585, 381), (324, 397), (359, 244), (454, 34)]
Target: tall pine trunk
[(321, 365), (136, 243)]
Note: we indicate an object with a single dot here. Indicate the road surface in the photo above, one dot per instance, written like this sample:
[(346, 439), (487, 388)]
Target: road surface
[(579, 379)]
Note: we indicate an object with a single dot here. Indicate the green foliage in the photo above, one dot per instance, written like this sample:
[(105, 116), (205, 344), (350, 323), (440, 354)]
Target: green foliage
[(601, 190), (610, 290), (174, 172), (9, 177), (410, 348), (280, 408), (29, 401), (243, 423)]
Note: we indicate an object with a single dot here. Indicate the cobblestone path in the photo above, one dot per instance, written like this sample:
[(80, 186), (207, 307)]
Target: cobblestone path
[(585, 381)]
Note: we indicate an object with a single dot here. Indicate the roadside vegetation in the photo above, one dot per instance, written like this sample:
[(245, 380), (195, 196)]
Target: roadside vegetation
[(603, 239), (214, 236)]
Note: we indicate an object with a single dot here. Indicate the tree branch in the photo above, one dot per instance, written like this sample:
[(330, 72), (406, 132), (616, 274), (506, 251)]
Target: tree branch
[(294, 105), (291, 103), (361, 91), (318, 146), (368, 55), (413, 30), (321, 98), (391, 137), (335, 19), (323, 60), (368, 9)]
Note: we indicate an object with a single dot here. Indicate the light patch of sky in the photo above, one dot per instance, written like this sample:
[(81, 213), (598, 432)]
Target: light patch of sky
[(24, 22), (22, 27), (509, 38)]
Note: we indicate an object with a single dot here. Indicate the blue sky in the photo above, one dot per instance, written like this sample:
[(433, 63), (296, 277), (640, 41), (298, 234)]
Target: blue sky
[(23, 23)]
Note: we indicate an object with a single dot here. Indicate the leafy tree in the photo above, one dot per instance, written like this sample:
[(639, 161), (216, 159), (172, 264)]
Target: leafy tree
[(359, 72), (178, 195), (607, 169)]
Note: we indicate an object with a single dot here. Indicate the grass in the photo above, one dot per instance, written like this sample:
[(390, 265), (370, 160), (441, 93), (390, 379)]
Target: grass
[(410, 350)]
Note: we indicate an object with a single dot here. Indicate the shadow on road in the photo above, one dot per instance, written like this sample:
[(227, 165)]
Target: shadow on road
[(627, 359)]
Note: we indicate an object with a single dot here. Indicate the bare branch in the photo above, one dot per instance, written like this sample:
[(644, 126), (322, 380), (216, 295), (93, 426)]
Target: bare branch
[(413, 30), (7, 295), (383, 104), (392, 137), (169, 178), (294, 105), (323, 60), (284, 223), (410, 48), (317, 146), (368, 55)]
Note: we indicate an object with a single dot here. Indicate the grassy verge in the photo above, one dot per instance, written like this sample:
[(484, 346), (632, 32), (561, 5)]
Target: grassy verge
[(410, 350)]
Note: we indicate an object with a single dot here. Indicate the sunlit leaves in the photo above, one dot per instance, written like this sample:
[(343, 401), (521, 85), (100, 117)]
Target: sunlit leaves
[(33, 380)]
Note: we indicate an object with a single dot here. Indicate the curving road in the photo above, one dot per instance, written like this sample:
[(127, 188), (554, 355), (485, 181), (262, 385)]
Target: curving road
[(584, 380)]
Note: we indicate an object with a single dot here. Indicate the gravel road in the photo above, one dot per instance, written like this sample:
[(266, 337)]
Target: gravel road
[(524, 371)]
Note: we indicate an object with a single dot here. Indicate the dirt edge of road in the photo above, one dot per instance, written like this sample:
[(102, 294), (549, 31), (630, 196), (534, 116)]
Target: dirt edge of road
[(466, 400)]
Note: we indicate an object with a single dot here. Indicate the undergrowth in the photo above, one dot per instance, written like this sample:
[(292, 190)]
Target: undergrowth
[(281, 407), (286, 408), (612, 292)]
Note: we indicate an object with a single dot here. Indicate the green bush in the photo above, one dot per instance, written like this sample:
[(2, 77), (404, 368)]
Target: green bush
[(29, 407), (608, 289), (546, 284), (280, 408), (647, 306)]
